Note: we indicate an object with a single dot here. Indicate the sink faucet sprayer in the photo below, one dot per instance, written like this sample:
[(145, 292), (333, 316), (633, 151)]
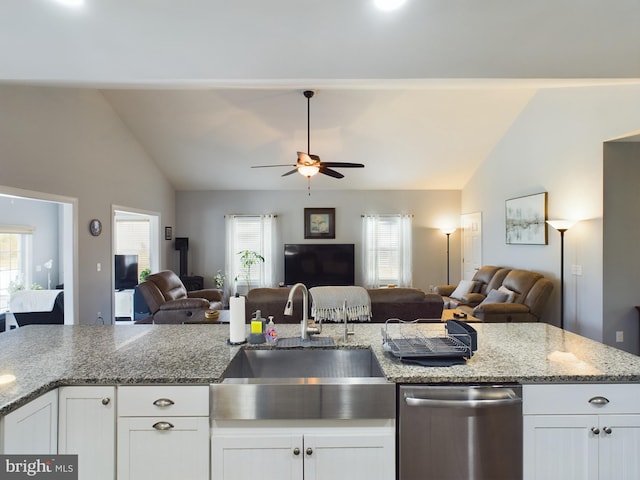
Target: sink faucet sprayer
[(305, 328)]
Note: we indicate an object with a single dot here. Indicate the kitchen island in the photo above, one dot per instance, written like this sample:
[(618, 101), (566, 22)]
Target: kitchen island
[(43, 357), (113, 394)]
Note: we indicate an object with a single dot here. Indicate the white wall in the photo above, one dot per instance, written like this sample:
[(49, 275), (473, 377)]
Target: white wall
[(70, 142), (200, 216), (556, 146)]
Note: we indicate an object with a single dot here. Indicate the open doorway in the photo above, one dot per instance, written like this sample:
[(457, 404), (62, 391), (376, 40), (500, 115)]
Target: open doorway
[(136, 248), (39, 253)]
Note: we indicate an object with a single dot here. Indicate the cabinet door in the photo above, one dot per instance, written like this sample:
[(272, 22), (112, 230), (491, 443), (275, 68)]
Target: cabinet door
[(166, 448), (33, 428), (263, 456), (352, 456), (560, 447), (619, 447), (87, 427)]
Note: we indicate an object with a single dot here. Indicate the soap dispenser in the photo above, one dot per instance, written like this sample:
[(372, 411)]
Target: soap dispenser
[(270, 333), (257, 329)]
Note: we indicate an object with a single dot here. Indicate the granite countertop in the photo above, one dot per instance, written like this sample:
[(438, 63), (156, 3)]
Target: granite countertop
[(42, 357)]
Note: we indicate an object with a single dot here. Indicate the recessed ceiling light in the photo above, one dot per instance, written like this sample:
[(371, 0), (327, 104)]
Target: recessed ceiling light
[(71, 3), (389, 4)]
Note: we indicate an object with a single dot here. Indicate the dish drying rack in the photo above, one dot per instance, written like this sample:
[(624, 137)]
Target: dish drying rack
[(407, 342)]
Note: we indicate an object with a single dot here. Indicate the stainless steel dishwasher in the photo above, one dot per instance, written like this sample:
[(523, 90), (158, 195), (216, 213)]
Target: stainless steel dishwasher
[(460, 432)]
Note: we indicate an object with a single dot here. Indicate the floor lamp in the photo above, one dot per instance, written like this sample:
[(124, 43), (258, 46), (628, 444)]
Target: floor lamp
[(561, 226), (448, 232)]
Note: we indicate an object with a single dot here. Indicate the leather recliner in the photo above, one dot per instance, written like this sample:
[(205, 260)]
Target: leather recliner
[(169, 301)]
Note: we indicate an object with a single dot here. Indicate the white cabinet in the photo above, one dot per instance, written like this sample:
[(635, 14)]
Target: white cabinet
[(87, 427), (303, 452), (581, 432), (123, 303), (32, 428), (163, 432)]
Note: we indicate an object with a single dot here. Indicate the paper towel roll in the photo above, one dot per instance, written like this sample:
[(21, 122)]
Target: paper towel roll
[(237, 333)]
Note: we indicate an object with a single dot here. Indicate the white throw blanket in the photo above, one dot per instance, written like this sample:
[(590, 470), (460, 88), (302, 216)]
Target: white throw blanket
[(328, 303), (27, 301)]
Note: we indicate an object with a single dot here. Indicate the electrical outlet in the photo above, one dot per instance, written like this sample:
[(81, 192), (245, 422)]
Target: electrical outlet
[(620, 336), (99, 267)]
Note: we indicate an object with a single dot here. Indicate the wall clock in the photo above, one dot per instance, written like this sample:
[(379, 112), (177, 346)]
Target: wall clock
[(95, 227)]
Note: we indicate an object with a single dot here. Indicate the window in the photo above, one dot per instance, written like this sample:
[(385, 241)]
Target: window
[(387, 250), (132, 237), (256, 233), (15, 261)]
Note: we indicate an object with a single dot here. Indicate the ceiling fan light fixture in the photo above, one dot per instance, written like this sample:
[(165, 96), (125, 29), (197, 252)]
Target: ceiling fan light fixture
[(308, 170)]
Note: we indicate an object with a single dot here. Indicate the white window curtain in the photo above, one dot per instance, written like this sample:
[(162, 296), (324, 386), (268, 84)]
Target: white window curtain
[(387, 257), (257, 233)]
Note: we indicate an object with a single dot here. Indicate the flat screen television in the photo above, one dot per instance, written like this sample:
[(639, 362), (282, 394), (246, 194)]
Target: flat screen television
[(319, 264), (126, 272)]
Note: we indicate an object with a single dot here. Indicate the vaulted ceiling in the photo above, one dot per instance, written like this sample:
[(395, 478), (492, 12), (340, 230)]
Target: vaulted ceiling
[(420, 95)]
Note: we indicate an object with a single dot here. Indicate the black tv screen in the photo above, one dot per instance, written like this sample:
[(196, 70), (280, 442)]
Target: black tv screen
[(126, 272), (319, 264)]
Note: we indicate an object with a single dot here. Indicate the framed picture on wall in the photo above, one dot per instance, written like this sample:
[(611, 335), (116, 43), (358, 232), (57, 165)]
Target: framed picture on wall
[(168, 233), (319, 223), (526, 220)]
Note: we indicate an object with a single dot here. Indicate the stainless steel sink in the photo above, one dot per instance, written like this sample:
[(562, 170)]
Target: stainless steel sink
[(316, 363), (303, 384)]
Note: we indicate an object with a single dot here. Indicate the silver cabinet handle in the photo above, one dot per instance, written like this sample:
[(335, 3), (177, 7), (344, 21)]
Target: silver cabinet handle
[(427, 402), (106, 401), (607, 430), (598, 400), (163, 426), (309, 451), (595, 430), (296, 451), (163, 402)]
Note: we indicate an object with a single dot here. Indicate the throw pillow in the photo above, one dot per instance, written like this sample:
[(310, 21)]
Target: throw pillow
[(464, 287), (496, 296), (511, 295)]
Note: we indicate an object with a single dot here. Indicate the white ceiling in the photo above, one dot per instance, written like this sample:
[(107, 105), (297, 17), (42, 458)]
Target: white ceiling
[(420, 95)]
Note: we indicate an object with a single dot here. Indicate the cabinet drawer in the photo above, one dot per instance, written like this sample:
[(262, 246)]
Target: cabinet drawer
[(574, 399), (149, 401)]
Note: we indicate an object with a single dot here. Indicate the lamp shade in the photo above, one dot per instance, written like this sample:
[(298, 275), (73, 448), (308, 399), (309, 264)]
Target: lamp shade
[(448, 230), (561, 225)]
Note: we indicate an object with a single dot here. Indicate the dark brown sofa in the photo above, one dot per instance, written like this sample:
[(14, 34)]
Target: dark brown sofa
[(530, 294), (402, 303)]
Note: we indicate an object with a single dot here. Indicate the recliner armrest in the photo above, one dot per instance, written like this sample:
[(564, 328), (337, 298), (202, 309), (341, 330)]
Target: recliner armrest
[(472, 299), (211, 294), (185, 303), (444, 290)]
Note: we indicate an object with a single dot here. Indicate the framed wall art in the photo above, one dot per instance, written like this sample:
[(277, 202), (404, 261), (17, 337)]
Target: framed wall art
[(168, 233), (319, 223), (526, 220)]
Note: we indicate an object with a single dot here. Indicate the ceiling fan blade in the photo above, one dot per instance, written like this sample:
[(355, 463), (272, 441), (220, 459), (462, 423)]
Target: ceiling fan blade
[(331, 173), (290, 172), (342, 164), (269, 166)]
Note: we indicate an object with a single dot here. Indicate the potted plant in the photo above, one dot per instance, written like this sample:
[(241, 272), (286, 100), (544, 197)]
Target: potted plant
[(144, 274), (248, 258), (218, 279)]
